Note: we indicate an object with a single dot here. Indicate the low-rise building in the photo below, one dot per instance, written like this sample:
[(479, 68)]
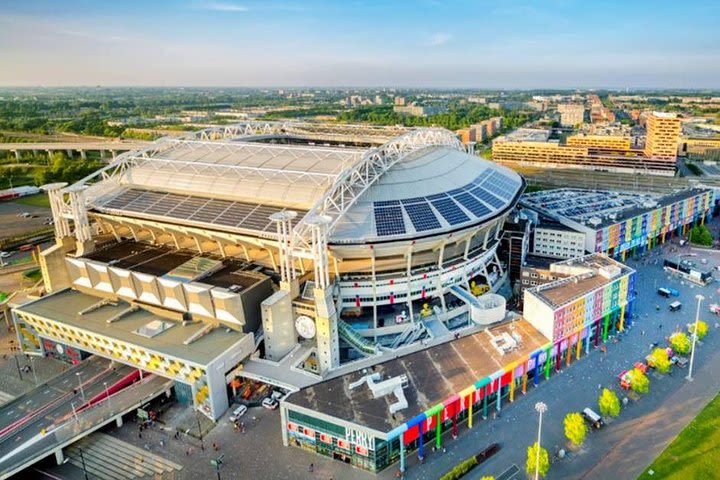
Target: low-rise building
[(615, 222), (593, 299), (553, 239)]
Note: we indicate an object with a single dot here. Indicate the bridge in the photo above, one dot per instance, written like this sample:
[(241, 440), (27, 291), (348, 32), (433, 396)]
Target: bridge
[(112, 146), (69, 407)]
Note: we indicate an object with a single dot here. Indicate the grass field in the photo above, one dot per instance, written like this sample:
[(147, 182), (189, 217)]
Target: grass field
[(695, 453), (39, 200)]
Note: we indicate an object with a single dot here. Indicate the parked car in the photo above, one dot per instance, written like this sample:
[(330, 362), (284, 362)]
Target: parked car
[(592, 418), (277, 395), (681, 362), (488, 452), (270, 403), (238, 412), (5, 254)]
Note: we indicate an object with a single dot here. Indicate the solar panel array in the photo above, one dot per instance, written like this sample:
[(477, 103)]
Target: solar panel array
[(389, 221), (450, 211), (500, 184), (484, 195), (249, 216), (422, 216)]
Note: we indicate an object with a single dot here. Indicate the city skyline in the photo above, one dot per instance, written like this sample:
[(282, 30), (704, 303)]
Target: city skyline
[(559, 44)]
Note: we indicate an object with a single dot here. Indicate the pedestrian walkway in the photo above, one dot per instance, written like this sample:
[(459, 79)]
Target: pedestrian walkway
[(5, 397), (108, 458)]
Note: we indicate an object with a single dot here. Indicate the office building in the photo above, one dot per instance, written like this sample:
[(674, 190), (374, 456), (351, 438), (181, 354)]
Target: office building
[(571, 114), (663, 135)]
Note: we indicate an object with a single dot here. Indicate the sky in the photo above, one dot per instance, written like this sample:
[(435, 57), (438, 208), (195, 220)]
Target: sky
[(363, 43)]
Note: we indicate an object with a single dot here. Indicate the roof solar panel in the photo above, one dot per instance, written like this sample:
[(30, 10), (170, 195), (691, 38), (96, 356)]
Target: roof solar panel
[(199, 209), (422, 216), (406, 201), (472, 204), (437, 196), (450, 211), (487, 197), (386, 203), (389, 221)]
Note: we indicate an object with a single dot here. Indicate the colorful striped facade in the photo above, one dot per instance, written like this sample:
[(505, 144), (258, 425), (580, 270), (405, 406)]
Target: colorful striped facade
[(641, 230)]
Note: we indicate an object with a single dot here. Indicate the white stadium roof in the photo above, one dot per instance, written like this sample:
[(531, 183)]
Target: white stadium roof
[(421, 182)]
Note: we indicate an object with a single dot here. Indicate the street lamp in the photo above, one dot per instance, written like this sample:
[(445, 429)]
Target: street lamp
[(700, 298), (82, 392), (541, 408), (107, 393)]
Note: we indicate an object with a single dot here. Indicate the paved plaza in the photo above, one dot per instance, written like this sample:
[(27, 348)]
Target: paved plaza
[(621, 450)]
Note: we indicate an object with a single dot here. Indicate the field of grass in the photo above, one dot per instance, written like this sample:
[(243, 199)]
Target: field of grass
[(39, 200), (695, 453)]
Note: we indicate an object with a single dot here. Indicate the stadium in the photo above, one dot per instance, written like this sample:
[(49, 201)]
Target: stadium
[(318, 248)]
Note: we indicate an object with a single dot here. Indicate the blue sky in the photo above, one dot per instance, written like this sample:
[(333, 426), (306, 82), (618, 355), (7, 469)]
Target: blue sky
[(423, 43)]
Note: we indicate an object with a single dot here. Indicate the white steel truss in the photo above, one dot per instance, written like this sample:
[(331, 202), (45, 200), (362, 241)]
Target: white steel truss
[(250, 129), (352, 183)]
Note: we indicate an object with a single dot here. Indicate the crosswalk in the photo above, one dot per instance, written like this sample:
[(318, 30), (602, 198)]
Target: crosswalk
[(107, 458), (5, 398)]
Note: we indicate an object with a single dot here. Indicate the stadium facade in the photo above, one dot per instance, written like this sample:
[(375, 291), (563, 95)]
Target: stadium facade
[(336, 246)]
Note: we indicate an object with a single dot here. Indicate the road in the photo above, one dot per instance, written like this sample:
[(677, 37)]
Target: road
[(53, 403), (632, 441)]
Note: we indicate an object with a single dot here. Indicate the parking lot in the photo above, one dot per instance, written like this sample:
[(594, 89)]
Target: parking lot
[(13, 225)]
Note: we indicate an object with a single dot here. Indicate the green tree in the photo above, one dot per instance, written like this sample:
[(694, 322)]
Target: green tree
[(659, 359), (680, 343), (609, 403), (702, 329), (575, 428), (639, 382), (544, 464), (700, 235), (487, 477)]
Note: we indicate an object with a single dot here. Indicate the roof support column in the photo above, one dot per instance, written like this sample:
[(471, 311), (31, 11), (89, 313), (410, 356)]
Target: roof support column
[(374, 293), (55, 195), (438, 280), (409, 283)]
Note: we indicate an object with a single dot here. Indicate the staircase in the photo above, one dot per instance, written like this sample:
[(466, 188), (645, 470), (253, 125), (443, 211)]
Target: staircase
[(107, 458), (410, 335)]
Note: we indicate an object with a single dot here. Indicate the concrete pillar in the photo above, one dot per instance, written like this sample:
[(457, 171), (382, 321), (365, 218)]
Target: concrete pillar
[(113, 153), (578, 345), (485, 401), (119, 421), (402, 453), (83, 154), (17, 154), (59, 457), (536, 380), (587, 339), (438, 430), (470, 409), (498, 392), (69, 153)]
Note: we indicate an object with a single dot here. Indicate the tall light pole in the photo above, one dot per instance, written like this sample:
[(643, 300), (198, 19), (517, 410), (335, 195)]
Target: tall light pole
[(541, 408), (82, 392), (700, 298)]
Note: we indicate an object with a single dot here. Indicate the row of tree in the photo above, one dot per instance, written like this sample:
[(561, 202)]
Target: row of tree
[(609, 404)]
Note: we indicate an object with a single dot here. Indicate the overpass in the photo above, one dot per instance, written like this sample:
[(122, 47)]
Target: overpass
[(50, 418), (112, 146)]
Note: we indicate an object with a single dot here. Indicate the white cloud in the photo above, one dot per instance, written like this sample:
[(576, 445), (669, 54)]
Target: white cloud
[(438, 39), (224, 7)]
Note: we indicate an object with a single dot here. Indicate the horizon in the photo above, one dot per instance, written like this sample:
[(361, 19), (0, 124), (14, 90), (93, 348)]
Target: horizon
[(561, 44)]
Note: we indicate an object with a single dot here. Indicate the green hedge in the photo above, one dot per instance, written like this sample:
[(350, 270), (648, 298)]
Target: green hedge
[(461, 469)]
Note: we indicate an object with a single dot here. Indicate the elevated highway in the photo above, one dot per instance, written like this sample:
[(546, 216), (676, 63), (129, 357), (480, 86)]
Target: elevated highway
[(69, 407), (82, 147)]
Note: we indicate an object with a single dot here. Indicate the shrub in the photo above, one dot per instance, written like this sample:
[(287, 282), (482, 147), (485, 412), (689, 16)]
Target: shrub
[(575, 428), (609, 403), (680, 343)]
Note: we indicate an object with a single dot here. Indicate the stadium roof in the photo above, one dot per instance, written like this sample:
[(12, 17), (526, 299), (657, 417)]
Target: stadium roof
[(233, 178)]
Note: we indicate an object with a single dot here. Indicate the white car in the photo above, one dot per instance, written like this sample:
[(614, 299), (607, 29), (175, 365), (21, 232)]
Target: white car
[(270, 403), (238, 412), (5, 254)]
